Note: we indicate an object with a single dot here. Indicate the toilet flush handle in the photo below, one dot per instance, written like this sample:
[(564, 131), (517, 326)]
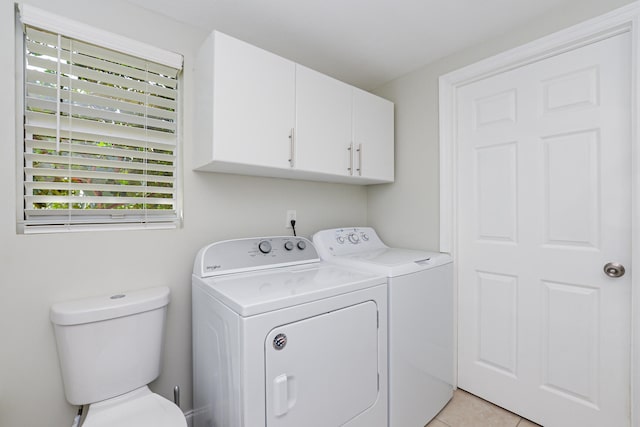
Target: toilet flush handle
[(176, 395)]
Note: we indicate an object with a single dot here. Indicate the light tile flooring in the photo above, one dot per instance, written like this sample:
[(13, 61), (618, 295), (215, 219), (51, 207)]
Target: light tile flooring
[(467, 410)]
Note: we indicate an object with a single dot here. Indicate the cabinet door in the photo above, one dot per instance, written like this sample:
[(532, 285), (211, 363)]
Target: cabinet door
[(254, 108), (373, 136), (323, 123)]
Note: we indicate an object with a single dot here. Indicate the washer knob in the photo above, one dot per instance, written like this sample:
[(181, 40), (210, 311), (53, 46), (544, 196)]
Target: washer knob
[(288, 245), (264, 246), (365, 237), (353, 238), (302, 245), (340, 239)]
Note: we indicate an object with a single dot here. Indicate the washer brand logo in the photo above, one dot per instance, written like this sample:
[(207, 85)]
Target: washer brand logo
[(213, 267)]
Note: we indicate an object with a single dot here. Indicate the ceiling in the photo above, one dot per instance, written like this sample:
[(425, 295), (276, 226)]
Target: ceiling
[(362, 42)]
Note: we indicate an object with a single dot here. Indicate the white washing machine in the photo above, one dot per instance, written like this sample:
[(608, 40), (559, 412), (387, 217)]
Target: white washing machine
[(420, 291), (282, 339)]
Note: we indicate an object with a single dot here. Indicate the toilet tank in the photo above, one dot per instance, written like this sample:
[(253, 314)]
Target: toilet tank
[(110, 345)]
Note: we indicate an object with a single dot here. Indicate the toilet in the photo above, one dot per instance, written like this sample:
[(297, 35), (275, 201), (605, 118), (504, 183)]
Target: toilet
[(110, 348)]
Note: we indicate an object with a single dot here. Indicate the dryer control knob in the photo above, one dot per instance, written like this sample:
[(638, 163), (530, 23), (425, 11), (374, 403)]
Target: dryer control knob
[(340, 239), (288, 245), (302, 245), (365, 237), (353, 238), (264, 246)]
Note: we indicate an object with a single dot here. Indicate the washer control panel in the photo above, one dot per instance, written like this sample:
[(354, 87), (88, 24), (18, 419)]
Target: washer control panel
[(341, 241), (233, 256)]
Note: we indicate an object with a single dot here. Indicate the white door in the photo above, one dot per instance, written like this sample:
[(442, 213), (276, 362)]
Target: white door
[(373, 136), (543, 204), (323, 123), (323, 371)]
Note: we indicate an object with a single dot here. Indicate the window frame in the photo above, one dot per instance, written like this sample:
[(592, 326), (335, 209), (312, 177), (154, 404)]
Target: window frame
[(27, 15)]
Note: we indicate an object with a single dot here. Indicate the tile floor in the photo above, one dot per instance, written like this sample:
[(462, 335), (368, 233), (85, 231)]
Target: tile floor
[(467, 410)]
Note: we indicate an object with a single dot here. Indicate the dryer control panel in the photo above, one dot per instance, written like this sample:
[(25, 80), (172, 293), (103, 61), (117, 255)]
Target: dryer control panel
[(234, 256)]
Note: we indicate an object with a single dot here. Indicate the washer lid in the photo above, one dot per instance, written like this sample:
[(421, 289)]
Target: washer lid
[(361, 247), (392, 262), (140, 408), (258, 292)]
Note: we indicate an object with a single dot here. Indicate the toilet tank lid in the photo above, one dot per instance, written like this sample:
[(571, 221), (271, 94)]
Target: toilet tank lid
[(95, 309)]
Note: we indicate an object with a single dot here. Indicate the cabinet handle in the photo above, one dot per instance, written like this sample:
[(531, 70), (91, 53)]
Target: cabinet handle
[(292, 147), (350, 150), (359, 160)]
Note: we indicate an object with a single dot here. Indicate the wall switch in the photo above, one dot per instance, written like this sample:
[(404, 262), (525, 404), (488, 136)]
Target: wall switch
[(291, 215)]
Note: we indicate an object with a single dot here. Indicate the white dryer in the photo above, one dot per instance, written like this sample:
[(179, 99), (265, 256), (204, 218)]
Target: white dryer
[(420, 317), (282, 339)]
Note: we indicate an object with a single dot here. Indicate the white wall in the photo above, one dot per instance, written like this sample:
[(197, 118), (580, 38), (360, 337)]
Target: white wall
[(38, 270), (406, 213)]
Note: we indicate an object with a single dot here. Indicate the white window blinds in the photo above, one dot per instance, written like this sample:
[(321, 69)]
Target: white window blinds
[(100, 135)]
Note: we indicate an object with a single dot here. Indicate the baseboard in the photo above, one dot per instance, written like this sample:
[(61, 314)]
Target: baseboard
[(189, 416)]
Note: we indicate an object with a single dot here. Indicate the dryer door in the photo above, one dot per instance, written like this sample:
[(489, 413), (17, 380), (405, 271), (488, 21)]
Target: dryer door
[(323, 371)]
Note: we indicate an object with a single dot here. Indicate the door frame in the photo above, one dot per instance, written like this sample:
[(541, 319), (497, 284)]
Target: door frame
[(618, 21)]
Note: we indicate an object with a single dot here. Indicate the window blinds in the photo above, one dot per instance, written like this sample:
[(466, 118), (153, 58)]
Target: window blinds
[(100, 135)]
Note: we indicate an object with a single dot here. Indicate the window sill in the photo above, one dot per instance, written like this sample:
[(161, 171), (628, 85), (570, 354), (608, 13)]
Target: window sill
[(78, 228)]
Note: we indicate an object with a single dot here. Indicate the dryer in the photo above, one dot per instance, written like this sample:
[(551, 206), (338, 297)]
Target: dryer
[(420, 316), (282, 339)]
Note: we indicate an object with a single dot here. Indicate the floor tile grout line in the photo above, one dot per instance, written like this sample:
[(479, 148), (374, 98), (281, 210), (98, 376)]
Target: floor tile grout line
[(447, 424)]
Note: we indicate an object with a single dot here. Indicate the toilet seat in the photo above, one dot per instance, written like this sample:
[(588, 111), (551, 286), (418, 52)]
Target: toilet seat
[(138, 408)]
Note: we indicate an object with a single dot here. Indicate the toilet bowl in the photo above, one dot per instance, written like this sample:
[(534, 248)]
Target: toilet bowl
[(138, 408), (109, 349)]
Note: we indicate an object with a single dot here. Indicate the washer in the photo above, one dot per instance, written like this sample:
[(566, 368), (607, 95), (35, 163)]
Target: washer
[(420, 318), (282, 339)]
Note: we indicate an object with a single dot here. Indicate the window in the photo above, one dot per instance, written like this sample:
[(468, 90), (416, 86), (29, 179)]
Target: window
[(100, 132)]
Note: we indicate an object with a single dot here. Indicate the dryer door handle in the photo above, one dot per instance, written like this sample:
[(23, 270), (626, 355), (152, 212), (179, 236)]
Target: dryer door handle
[(283, 394)]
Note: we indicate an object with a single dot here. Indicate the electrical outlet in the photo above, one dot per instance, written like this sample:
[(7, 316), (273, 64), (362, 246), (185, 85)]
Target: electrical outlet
[(291, 215)]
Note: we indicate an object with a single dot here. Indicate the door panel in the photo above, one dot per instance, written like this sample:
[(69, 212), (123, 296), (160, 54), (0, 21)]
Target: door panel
[(327, 372), (570, 329), (497, 194), (497, 328), (571, 200), (543, 203)]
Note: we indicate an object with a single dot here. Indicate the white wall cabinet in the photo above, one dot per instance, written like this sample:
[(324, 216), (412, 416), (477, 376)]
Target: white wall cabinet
[(323, 123), (372, 131), (245, 103), (260, 114)]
